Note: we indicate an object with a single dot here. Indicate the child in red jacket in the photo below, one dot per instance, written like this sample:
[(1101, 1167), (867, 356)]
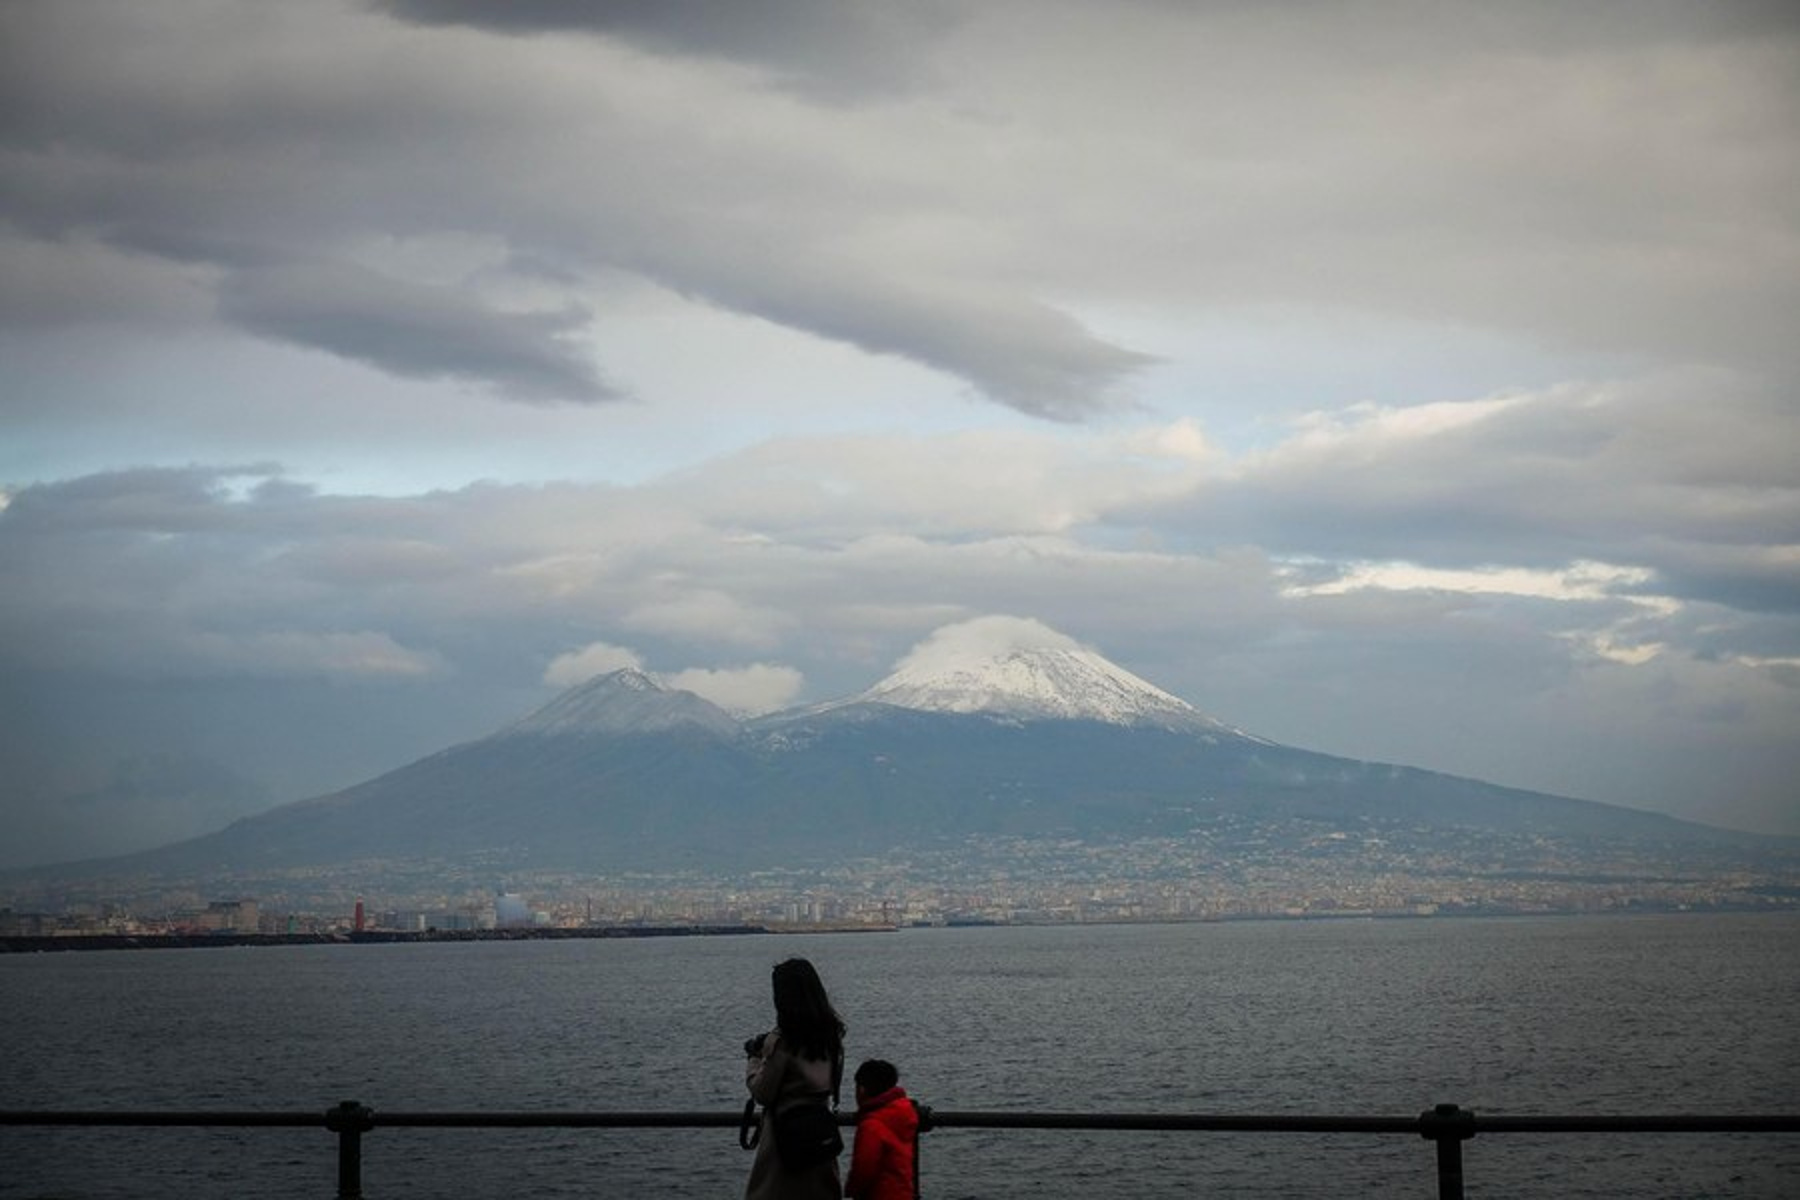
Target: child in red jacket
[(884, 1161)]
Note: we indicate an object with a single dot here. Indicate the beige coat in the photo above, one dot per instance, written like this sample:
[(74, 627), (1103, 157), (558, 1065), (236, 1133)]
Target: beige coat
[(776, 1078)]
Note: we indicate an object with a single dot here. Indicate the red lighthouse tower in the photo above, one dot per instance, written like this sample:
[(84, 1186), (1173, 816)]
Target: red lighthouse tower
[(358, 919)]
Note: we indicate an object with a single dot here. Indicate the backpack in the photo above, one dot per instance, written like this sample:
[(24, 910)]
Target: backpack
[(806, 1131)]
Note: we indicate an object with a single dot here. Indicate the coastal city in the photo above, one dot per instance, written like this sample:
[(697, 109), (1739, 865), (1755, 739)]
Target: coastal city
[(1253, 871)]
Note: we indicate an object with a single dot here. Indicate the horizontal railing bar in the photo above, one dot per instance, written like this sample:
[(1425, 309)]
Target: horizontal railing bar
[(1238, 1122), (1762, 1123), (1474, 1123), (573, 1120), (106, 1117)]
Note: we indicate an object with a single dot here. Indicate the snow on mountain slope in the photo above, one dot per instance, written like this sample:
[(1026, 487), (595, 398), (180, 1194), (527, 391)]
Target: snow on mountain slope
[(1006, 668), (1022, 670), (626, 701)]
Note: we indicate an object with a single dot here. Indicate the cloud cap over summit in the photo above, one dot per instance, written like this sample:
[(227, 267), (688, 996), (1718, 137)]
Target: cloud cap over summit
[(1021, 669)]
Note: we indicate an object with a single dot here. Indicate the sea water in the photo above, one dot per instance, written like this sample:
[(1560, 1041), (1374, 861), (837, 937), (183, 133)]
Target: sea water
[(1683, 1013)]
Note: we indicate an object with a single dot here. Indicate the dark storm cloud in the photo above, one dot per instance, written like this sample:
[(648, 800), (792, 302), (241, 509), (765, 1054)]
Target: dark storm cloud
[(1747, 579), (1025, 355), (1567, 190), (293, 143), (413, 330), (831, 48), (158, 501), (179, 547)]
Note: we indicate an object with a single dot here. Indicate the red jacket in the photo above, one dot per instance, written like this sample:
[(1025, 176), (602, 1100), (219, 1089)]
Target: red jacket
[(884, 1161)]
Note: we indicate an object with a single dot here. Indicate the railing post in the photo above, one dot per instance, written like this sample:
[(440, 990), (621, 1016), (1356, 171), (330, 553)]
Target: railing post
[(1449, 1126), (349, 1120)]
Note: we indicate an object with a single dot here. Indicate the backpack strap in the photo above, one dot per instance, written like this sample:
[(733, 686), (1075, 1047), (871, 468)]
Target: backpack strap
[(749, 1128)]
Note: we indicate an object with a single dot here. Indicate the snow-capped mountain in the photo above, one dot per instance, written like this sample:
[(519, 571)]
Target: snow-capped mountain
[(1034, 684), (1002, 728)]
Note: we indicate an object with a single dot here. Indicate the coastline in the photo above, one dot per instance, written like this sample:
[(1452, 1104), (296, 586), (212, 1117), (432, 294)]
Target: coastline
[(55, 943), (192, 941)]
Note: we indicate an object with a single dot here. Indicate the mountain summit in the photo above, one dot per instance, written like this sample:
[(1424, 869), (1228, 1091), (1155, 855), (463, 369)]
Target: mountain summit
[(1036, 684), (1020, 670), (625, 701)]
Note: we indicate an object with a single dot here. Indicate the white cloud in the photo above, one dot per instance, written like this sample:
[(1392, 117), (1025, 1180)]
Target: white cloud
[(751, 690), (683, 608), (1365, 429), (1578, 581), (1631, 638), (1183, 442), (596, 658), (1027, 481), (982, 637)]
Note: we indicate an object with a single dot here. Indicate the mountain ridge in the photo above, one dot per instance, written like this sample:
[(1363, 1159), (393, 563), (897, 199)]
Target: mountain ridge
[(624, 772)]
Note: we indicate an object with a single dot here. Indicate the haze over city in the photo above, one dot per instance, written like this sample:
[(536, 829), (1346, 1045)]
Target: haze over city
[(1413, 384)]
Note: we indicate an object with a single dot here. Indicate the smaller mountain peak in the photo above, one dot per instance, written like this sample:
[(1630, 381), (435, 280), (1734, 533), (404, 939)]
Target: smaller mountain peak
[(628, 679), (625, 701)]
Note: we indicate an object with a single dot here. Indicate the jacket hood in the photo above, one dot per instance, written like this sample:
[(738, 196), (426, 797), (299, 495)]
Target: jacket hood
[(881, 1100)]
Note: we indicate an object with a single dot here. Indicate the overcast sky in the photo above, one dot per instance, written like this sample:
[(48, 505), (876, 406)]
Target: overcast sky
[(1414, 382)]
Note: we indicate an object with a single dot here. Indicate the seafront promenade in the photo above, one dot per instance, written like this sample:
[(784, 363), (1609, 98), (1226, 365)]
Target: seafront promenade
[(1445, 1127)]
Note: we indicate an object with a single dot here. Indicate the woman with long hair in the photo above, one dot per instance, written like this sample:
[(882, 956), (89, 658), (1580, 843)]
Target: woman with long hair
[(797, 1063)]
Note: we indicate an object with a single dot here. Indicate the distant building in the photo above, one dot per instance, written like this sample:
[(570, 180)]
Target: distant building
[(25, 924), (511, 911), (456, 920), (229, 916), (405, 920)]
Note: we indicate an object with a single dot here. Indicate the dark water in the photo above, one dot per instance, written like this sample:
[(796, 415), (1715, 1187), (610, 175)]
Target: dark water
[(1675, 1014)]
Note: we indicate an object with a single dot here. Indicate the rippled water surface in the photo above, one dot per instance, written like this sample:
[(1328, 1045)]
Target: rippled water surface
[(1665, 1014)]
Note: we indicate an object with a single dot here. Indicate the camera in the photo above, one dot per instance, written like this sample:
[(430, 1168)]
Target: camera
[(753, 1047)]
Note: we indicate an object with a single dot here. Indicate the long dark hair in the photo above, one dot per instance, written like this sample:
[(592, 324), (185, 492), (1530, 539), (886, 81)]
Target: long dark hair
[(803, 1011)]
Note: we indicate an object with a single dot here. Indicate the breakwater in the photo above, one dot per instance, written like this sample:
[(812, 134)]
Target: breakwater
[(190, 941)]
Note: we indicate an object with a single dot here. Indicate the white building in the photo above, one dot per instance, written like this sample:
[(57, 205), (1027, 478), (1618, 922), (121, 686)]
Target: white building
[(511, 911)]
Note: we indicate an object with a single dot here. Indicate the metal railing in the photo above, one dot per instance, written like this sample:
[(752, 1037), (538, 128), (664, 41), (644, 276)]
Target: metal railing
[(1447, 1126)]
